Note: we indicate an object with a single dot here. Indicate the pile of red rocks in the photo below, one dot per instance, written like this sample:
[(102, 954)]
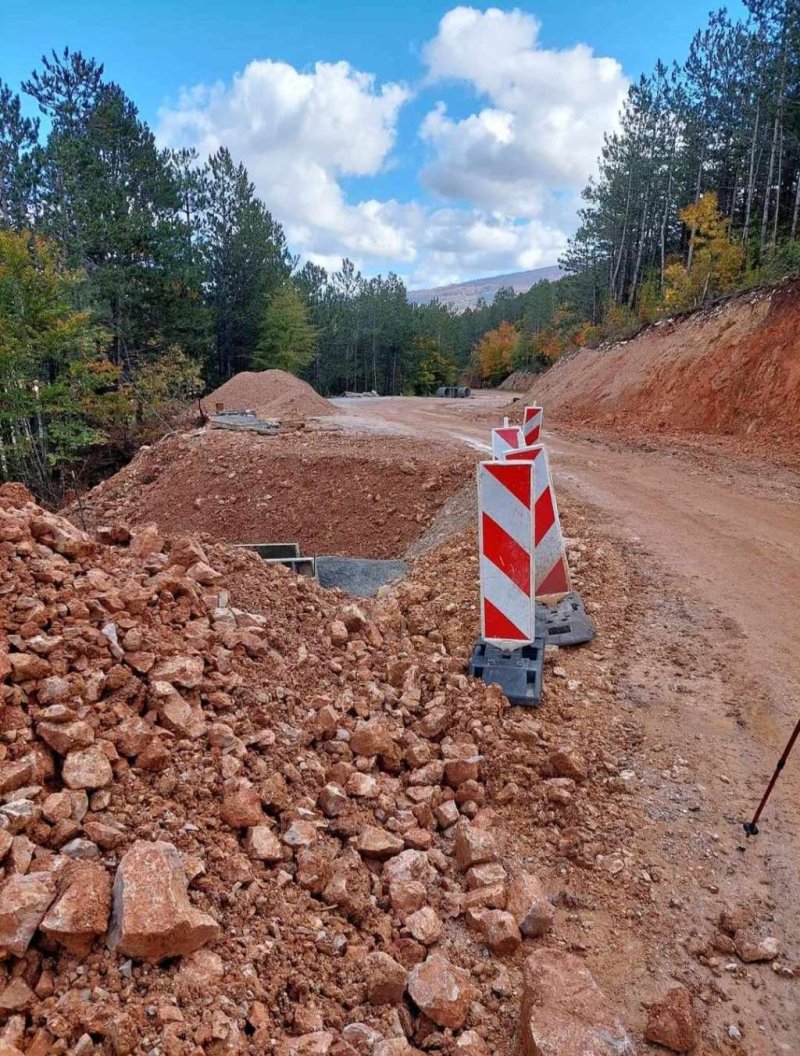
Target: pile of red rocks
[(273, 829)]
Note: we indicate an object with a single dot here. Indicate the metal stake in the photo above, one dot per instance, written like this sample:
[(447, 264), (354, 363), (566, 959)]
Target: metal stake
[(751, 827)]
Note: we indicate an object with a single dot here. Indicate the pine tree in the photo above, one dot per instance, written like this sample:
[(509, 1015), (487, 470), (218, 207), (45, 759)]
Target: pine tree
[(287, 340)]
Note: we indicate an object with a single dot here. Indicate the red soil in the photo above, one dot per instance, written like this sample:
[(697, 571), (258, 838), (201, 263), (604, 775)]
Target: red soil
[(271, 394), (733, 369)]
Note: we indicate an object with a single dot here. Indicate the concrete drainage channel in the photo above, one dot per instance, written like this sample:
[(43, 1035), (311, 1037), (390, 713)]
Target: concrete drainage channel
[(361, 577)]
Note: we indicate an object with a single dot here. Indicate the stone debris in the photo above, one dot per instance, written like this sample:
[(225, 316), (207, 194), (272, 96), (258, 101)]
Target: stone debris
[(152, 916), (386, 979), (753, 945), (240, 814), (441, 990), (565, 1012), (24, 900), (672, 1021), (528, 905), (81, 910)]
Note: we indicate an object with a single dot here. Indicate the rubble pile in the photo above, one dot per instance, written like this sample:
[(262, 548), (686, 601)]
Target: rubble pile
[(242, 814)]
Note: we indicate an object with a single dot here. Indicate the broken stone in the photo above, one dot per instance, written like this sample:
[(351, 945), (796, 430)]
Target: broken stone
[(474, 846), (409, 865), (498, 929), (263, 845), (362, 786), (339, 633), (386, 979), (319, 1043), (80, 912), (447, 814), (529, 906), (407, 896), (241, 808), (15, 775), (66, 737), (471, 1044), (373, 842), (753, 946), (442, 991), (87, 768), (565, 1012), (16, 997), (152, 916), (672, 1021), (569, 763), (333, 800), (485, 874), (24, 900), (186, 671), (425, 926)]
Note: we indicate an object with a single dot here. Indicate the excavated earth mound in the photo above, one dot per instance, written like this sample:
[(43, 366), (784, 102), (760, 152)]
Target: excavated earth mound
[(271, 394), (241, 814), (333, 493), (733, 369)]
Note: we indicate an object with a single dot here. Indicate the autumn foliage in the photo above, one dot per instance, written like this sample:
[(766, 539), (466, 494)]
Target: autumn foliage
[(494, 353)]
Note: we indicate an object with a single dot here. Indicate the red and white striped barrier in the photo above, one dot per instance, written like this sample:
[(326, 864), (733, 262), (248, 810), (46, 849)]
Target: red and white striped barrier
[(552, 570), (532, 425), (505, 524), (505, 439)]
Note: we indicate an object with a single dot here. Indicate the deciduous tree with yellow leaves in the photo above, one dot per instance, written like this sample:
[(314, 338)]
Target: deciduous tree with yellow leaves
[(714, 264)]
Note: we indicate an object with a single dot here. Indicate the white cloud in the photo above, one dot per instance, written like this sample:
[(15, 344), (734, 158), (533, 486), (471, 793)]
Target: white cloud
[(508, 174), (298, 135), (544, 125)]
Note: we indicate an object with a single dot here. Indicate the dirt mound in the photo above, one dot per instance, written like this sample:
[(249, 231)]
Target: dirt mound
[(733, 369), (320, 834), (334, 493), (271, 394)]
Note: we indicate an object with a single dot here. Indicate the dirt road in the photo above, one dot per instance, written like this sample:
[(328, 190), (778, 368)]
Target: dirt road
[(712, 671)]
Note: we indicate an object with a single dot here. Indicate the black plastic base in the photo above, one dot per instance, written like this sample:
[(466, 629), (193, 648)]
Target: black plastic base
[(517, 672), (751, 828), (564, 623)]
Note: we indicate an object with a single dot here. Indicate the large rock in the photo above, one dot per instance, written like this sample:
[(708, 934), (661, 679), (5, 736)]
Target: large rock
[(672, 1021), (753, 945), (374, 842), (498, 928), (564, 1012), (474, 846), (529, 905), (386, 979), (66, 737), (186, 671), (24, 900), (241, 808), (442, 991), (81, 911), (152, 916), (87, 768)]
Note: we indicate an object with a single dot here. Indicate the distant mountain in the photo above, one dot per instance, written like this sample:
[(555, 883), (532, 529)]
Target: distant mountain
[(463, 295)]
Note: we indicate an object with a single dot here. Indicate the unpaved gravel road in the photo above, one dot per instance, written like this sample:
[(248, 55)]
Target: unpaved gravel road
[(714, 676)]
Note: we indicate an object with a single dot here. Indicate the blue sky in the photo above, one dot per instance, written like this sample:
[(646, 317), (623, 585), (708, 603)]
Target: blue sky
[(444, 142)]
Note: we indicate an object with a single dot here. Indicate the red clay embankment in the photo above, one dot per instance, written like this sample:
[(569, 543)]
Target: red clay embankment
[(728, 370)]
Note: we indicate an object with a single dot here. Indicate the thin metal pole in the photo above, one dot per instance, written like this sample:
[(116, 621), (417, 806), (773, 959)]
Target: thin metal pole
[(751, 827)]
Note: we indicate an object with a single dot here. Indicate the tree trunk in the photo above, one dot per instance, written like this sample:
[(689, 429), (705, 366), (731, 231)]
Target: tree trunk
[(778, 192), (751, 178), (796, 209)]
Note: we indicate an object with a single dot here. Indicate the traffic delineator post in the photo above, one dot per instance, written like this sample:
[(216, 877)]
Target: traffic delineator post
[(510, 652), (550, 557), (532, 425), (506, 438), (507, 576)]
